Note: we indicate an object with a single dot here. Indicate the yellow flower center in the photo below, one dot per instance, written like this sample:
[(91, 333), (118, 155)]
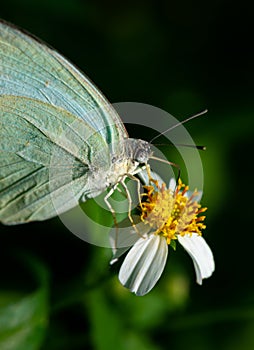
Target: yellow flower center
[(171, 212)]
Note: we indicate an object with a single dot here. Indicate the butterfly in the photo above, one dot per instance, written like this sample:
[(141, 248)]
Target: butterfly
[(61, 141)]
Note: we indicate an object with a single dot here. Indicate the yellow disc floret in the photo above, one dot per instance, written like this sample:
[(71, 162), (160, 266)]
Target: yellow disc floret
[(172, 212)]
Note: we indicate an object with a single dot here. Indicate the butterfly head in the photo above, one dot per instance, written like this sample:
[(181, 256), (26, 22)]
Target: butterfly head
[(138, 150)]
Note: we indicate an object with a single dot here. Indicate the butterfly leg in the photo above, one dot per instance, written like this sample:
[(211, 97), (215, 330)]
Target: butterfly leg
[(113, 213), (130, 200), (106, 200)]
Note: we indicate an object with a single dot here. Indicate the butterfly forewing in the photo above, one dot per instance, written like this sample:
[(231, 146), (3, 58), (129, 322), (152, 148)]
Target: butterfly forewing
[(32, 69), (56, 131)]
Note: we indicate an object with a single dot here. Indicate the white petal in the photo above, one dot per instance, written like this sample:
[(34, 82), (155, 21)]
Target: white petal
[(122, 238), (172, 184), (144, 177), (200, 253), (144, 264)]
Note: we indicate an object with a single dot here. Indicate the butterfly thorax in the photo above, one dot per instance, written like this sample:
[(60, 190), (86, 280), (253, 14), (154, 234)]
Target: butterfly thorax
[(131, 155)]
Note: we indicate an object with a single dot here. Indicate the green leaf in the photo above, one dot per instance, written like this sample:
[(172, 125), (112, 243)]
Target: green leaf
[(23, 319)]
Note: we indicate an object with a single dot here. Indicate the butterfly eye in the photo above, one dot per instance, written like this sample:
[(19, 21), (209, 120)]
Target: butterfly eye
[(143, 152), (141, 156)]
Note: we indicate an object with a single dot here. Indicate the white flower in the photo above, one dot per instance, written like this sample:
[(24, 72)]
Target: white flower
[(168, 214)]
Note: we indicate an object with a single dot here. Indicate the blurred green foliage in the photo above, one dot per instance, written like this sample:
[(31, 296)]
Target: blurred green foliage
[(58, 292)]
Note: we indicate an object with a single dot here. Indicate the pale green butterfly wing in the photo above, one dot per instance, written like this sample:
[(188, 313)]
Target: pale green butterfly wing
[(31, 69), (45, 157), (43, 98)]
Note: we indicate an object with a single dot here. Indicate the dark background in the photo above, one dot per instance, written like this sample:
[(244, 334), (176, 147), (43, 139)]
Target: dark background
[(58, 292)]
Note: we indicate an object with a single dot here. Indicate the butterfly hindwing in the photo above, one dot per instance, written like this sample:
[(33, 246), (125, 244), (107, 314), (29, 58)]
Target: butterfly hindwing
[(45, 157)]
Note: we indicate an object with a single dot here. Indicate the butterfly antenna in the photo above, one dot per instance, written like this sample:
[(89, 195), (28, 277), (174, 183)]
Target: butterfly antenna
[(199, 147), (180, 123)]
